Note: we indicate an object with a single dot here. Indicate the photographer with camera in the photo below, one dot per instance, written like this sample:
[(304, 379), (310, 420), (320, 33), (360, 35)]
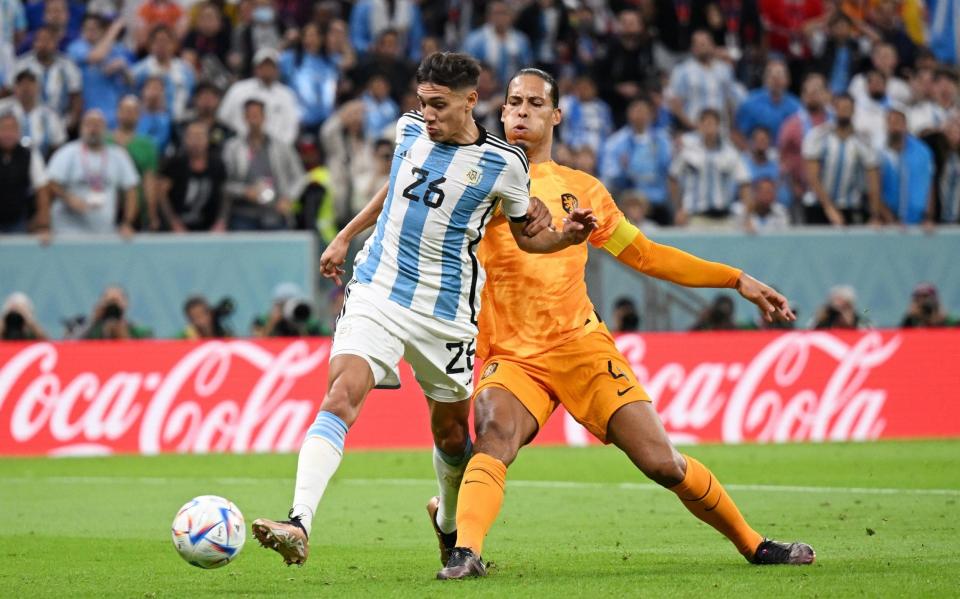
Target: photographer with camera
[(718, 316), (840, 311), (292, 315), (925, 309), (17, 322), (109, 319), (205, 321)]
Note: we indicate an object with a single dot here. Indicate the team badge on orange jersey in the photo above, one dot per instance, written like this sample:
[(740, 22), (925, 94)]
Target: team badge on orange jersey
[(489, 370), (473, 176), (569, 202)]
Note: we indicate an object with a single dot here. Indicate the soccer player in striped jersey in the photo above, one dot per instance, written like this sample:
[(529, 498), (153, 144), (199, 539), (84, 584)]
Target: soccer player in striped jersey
[(414, 293), (544, 345), (841, 166)]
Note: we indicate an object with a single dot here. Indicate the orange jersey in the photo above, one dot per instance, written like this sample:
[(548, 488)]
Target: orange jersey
[(532, 303)]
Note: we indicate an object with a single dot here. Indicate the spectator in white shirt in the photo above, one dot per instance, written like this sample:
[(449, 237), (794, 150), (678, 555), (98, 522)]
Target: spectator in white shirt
[(706, 174), (768, 215), (700, 82), (883, 58), (282, 109), (59, 78), (40, 127)]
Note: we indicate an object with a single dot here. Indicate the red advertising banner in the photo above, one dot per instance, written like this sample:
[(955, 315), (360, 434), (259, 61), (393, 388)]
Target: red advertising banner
[(151, 397)]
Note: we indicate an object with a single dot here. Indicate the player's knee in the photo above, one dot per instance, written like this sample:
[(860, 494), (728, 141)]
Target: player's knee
[(497, 439), (450, 436), (666, 470), (343, 401)]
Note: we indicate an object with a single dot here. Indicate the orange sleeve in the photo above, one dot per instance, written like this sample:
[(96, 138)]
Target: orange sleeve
[(605, 209), (668, 263)]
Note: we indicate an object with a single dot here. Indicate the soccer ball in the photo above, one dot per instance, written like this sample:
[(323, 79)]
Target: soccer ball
[(208, 532)]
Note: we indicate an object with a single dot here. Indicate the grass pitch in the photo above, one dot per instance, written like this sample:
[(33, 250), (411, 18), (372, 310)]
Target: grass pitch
[(883, 518)]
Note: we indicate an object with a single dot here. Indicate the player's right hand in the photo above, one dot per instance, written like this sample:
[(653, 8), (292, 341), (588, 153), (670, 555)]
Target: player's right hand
[(332, 259), (579, 225), (538, 218)]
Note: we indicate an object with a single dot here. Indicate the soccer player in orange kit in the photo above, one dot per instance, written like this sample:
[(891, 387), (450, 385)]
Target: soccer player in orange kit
[(544, 345)]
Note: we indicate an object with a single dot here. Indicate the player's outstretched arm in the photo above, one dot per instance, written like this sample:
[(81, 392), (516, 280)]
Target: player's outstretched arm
[(576, 229), (332, 259), (632, 247)]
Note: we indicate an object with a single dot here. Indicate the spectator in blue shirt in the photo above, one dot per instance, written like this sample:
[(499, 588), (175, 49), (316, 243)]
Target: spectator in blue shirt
[(370, 17), (906, 174), (103, 64), (156, 122), (763, 162), (837, 54), (498, 44), (312, 75), (769, 106), (59, 16), (637, 158), (587, 120), (379, 109), (177, 74)]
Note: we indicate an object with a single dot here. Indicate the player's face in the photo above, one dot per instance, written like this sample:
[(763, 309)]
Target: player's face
[(529, 114), (445, 111)]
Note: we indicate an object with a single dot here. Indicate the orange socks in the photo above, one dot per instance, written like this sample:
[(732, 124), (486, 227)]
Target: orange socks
[(706, 499), (481, 495)]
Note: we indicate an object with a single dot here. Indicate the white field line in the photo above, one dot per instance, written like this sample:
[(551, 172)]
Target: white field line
[(530, 484)]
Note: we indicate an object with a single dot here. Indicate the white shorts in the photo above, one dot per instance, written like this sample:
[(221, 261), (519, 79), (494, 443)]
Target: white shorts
[(381, 332)]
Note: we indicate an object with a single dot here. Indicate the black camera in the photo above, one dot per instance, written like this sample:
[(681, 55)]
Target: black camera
[(14, 326), (221, 312), (112, 311), (297, 310)]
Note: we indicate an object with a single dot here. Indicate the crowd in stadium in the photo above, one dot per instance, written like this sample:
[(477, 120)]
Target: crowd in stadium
[(267, 115), (251, 115)]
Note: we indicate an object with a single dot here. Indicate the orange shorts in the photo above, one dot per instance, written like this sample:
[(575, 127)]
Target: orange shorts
[(589, 376)]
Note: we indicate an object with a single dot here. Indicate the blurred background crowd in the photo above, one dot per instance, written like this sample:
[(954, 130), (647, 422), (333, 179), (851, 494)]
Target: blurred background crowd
[(255, 115)]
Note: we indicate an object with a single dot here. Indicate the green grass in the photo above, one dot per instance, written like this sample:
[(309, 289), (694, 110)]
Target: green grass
[(100, 527)]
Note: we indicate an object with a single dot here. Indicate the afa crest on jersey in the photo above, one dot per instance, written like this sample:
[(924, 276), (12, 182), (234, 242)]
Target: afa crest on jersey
[(569, 202), (474, 175)]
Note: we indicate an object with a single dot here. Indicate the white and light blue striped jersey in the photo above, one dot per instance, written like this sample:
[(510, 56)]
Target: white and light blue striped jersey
[(702, 86), (843, 163), (709, 177), (440, 198), (57, 81), (950, 189)]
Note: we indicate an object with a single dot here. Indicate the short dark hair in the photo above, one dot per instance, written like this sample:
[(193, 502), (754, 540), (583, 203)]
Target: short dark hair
[(709, 113), (254, 102), (547, 77), (205, 85), (193, 301), (160, 29), (845, 96), (25, 73), (450, 69)]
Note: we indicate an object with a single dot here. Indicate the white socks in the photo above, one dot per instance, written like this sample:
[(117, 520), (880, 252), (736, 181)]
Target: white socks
[(449, 471), (320, 457)]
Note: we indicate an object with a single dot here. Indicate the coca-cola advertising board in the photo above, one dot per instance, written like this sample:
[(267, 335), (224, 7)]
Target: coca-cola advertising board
[(95, 398)]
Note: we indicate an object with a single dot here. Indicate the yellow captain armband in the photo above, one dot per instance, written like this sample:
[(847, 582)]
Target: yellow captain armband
[(622, 236)]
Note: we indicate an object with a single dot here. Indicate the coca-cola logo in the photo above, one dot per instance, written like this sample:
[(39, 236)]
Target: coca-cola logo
[(777, 395), (188, 408), (254, 396)]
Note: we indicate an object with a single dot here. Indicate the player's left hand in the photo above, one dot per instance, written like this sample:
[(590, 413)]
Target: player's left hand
[(579, 225), (538, 218), (772, 304), (332, 259)]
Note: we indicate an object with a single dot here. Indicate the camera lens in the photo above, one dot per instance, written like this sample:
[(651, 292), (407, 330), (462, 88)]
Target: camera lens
[(113, 311)]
